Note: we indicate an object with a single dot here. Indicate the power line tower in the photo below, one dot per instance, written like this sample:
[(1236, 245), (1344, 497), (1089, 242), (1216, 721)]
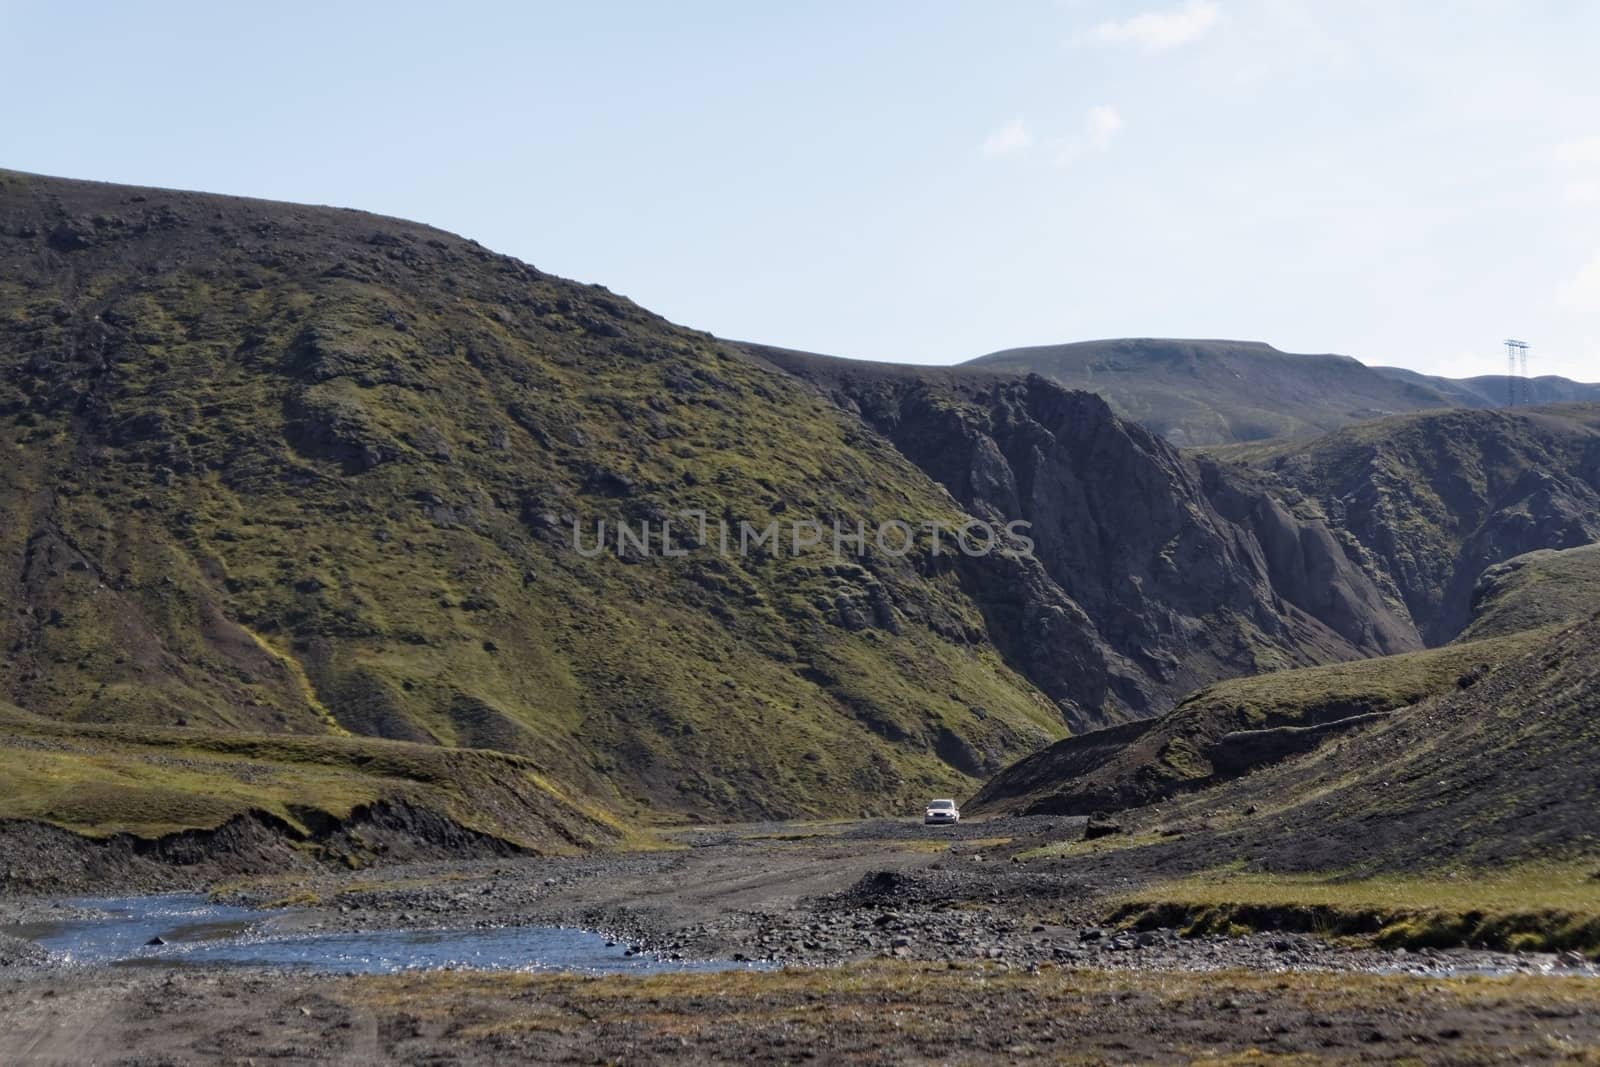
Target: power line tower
[(1517, 353)]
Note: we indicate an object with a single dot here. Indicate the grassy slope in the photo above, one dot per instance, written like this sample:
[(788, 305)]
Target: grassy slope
[(1537, 906), (1535, 589), (1469, 818), (1485, 775), (272, 468), (1464, 819), (1147, 762), (152, 781)]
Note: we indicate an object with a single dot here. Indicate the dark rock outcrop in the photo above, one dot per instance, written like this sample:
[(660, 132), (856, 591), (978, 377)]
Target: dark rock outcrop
[(1153, 572), (1437, 498)]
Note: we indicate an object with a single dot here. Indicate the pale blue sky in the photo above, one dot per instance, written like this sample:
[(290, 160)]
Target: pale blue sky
[(1407, 183)]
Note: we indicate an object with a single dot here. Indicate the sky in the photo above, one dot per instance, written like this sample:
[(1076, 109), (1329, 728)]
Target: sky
[(1409, 183)]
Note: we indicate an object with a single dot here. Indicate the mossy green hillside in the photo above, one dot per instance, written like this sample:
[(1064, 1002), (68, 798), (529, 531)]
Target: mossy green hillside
[(270, 468)]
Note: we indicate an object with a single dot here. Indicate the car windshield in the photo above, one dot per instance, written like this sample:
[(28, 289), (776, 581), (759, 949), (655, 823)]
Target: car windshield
[(944, 804)]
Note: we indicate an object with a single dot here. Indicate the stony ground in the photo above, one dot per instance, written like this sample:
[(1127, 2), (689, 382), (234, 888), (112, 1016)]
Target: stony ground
[(884, 1012), (831, 893), (903, 944)]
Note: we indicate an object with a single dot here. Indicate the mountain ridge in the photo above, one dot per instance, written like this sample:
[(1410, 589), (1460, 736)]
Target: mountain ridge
[(1202, 392)]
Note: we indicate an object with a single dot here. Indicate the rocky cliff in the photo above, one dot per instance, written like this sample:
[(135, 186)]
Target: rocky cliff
[(1168, 571)]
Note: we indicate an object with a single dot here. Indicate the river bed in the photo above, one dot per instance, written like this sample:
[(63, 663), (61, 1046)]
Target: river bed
[(190, 929)]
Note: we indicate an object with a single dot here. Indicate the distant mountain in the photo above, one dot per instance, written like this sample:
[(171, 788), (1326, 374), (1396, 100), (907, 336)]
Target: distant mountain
[(1208, 392), (1493, 390)]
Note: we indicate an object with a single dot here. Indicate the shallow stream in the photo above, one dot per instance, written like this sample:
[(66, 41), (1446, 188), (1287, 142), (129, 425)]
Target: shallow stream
[(190, 929)]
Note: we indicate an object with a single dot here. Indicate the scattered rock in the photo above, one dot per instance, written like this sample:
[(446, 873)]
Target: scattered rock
[(15, 952)]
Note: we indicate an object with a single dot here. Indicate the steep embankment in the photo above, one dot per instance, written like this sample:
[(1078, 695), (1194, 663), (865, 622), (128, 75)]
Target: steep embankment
[(1230, 728), (271, 468), (1158, 572), (98, 804), (1478, 776)]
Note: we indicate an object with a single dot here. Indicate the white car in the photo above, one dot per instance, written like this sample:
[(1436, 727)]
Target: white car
[(942, 812)]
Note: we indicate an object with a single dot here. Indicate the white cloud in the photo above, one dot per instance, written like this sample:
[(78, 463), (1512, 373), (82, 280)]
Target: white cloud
[(1099, 126), (1157, 31), (1014, 136), (1582, 293), (1102, 125)]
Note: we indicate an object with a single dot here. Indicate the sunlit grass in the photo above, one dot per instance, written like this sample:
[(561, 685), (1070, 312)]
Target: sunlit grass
[(1535, 906), (1567, 885)]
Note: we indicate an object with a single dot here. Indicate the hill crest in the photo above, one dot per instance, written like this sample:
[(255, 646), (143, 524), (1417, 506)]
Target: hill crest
[(1204, 392)]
